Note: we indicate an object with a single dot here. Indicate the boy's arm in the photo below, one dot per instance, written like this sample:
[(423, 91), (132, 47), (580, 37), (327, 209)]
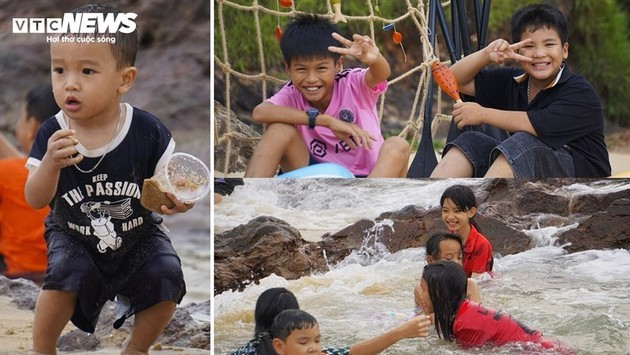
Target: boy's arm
[(496, 52), (267, 112), (416, 327), (364, 50), (472, 114), (41, 183)]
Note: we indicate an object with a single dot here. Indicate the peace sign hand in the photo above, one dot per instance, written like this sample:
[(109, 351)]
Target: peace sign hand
[(500, 50)]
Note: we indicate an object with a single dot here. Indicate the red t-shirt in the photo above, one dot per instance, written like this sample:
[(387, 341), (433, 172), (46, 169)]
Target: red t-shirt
[(21, 227), (477, 253), (476, 325)]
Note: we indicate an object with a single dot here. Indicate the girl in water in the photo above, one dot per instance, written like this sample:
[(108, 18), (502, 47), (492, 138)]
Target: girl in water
[(443, 292), (459, 207)]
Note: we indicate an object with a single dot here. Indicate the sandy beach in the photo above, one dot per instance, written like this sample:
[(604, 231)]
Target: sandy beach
[(16, 326)]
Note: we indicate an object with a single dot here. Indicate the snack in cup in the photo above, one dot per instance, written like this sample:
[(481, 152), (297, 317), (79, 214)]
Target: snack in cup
[(185, 176)]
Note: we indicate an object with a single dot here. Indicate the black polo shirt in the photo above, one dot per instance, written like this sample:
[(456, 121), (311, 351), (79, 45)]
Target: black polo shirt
[(567, 113)]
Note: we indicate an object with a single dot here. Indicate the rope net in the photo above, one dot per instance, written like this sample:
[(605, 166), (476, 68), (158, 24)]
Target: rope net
[(420, 73)]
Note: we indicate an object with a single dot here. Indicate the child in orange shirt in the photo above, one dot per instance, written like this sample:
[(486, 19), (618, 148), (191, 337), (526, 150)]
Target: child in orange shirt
[(22, 246)]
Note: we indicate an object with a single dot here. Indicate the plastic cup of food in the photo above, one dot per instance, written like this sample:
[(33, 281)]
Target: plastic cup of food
[(185, 176)]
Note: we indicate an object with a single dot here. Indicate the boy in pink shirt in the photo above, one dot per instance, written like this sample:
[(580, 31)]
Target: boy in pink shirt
[(324, 114)]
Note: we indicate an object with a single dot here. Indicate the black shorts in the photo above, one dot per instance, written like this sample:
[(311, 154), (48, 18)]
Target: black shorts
[(146, 275)]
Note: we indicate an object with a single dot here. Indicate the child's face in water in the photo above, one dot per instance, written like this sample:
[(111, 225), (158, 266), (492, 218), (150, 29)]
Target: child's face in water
[(450, 250), (300, 341), (85, 78), (315, 79)]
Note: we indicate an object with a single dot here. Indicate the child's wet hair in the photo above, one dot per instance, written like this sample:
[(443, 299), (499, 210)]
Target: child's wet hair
[(289, 320), (308, 36), (447, 286), (433, 243), (124, 46), (270, 303), (536, 16), (40, 103)]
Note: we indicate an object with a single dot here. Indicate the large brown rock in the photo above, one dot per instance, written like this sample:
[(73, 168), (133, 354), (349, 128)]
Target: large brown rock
[(606, 229), (264, 246)]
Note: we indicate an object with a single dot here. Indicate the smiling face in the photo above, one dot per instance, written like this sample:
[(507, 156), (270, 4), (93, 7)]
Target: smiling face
[(86, 81), (299, 342), (456, 220), (315, 79), (547, 52)]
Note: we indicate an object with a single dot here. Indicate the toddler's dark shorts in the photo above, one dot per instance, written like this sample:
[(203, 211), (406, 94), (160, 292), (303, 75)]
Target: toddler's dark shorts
[(148, 273)]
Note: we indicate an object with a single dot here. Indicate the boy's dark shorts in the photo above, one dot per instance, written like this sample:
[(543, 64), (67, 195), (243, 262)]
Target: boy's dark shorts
[(148, 274), (528, 156)]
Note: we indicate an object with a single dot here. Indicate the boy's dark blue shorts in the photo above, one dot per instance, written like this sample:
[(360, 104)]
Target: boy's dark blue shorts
[(529, 157), (149, 273)]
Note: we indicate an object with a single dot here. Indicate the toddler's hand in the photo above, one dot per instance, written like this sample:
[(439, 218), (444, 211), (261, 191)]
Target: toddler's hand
[(61, 149), (180, 207), (361, 47)]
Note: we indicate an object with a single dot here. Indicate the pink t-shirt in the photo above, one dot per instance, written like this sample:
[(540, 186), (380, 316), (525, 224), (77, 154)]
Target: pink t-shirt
[(352, 101)]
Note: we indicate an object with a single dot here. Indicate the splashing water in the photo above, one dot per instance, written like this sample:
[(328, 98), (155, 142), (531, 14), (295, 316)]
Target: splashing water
[(582, 299)]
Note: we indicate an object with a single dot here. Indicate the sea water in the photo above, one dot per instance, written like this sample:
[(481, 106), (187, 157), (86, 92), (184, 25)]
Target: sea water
[(582, 299)]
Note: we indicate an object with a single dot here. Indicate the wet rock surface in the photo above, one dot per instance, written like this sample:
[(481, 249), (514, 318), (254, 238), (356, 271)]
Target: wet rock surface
[(264, 246), (608, 229)]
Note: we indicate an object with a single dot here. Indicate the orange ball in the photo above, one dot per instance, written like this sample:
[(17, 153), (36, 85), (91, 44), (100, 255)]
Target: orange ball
[(397, 37), (286, 3)]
